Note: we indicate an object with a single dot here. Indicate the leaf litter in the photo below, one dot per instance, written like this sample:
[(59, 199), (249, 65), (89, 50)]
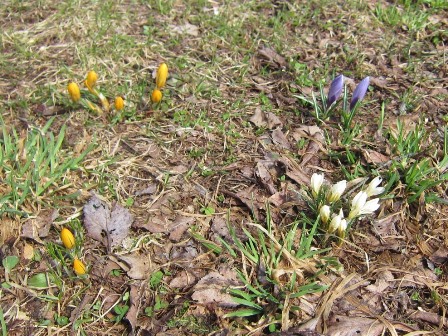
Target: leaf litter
[(106, 225)]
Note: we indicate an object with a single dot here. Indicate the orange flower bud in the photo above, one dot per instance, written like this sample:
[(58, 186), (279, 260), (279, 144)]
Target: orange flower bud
[(73, 90), (119, 103), (67, 238), (162, 74), (156, 96), (79, 267)]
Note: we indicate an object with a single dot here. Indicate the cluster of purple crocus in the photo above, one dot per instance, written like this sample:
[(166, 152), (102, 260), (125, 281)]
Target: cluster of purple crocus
[(336, 89)]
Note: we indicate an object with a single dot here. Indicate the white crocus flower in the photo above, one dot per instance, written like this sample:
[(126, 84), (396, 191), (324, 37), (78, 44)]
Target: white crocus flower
[(324, 213), (360, 206), (370, 206), (316, 182), (336, 191), (337, 223), (373, 189)]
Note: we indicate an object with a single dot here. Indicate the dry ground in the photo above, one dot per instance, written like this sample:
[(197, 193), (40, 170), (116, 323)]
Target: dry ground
[(231, 145)]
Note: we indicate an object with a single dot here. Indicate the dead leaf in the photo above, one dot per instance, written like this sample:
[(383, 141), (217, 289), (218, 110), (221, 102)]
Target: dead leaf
[(39, 227), (132, 314), (211, 289), (262, 119), (353, 326), (258, 118), (265, 177), (374, 157), (280, 139), (272, 57), (187, 28), (138, 265), (179, 226), (28, 251), (104, 225), (182, 280)]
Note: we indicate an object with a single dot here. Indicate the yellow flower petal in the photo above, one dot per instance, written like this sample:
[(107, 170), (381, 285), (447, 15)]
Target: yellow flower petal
[(79, 267), (67, 238), (156, 96), (162, 74), (73, 90)]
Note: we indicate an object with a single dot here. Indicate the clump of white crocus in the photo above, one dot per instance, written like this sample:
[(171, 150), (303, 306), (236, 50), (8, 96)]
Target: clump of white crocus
[(336, 191), (316, 183), (360, 206), (373, 189)]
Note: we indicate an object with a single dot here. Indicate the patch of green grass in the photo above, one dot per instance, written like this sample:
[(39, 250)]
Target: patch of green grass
[(34, 166)]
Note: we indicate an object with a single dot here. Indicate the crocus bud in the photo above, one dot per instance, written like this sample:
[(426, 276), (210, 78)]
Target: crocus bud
[(335, 89), (324, 213), (156, 96), (67, 238), (90, 81), (73, 90), (336, 191), (119, 103), (359, 92), (316, 183), (161, 76), (79, 267), (373, 189), (338, 223)]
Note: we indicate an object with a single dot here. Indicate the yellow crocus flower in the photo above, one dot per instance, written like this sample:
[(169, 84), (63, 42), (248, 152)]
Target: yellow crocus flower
[(161, 76), (73, 90)]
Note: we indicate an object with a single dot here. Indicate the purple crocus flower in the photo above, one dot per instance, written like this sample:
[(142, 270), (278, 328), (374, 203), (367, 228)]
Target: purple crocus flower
[(335, 89), (360, 92)]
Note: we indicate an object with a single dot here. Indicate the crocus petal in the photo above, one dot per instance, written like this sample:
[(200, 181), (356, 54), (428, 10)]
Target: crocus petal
[(358, 203), (373, 189), (161, 76), (73, 90), (370, 207), (324, 213), (336, 191), (335, 89), (359, 92), (316, 183)]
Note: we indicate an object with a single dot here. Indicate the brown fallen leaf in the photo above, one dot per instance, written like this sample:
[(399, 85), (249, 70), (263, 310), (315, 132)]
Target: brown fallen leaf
[(272, 57), (265, 177), (279, 138), (340, 325), (139, 266), (374, 157), (262, 119), (179, 226), (211, 289), (107, 226), (39, 227), (134, 298), (182, 280)]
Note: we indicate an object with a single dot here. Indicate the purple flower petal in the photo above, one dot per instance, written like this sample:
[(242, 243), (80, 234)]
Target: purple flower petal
[(360, 92), (335, 89)]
